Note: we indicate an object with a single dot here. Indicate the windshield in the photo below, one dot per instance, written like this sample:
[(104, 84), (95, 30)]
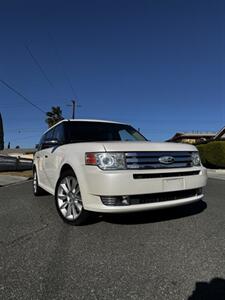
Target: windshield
[(98, 131)]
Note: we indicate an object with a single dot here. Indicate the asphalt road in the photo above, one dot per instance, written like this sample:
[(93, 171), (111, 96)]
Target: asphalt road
[(171, 254)]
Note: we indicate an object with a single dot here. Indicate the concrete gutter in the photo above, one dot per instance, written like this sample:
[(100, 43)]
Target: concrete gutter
[(6, 180)]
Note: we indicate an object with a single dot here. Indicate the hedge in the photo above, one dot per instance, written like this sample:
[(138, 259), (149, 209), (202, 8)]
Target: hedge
[(212, 154)]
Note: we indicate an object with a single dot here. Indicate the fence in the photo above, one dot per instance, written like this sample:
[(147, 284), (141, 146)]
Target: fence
[(10, 163)]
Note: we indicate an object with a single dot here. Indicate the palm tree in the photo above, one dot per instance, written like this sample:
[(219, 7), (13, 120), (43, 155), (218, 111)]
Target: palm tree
[(54, 116)]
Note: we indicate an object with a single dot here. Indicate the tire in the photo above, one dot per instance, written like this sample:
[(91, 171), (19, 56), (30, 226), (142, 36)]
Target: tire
[(37, 190), (68, 200)]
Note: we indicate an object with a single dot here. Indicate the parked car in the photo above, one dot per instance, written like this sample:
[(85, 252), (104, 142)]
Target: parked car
[(109, 167)]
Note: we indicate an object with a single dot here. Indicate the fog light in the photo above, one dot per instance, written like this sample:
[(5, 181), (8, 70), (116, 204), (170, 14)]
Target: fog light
[(125, 200), (107, 200), (115, 200)]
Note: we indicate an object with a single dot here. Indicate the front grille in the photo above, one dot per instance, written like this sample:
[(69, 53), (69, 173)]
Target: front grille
[(163, 175), (149, 198), (150, 160)]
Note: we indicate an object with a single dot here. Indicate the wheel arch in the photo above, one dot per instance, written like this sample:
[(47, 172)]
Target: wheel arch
[(65, 168), (82, 217)]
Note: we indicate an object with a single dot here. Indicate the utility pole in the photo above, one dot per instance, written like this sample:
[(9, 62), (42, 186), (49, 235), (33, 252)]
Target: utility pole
[(74, 106)]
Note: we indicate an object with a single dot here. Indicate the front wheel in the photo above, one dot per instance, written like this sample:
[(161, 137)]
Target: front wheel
[(68, 200)]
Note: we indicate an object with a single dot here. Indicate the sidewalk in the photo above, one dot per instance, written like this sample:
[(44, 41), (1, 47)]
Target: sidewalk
[(9, 179), (216, 173)]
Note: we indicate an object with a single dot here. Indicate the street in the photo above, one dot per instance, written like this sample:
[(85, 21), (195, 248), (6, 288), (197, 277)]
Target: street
[(154, 255)]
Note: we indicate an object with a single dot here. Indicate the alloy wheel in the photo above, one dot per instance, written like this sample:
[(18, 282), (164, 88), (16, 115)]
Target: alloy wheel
[(35, 182), (69, 198)]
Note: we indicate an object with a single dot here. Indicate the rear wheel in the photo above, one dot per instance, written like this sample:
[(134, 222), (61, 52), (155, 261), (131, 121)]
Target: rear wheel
[(69, 201), (37, 190)]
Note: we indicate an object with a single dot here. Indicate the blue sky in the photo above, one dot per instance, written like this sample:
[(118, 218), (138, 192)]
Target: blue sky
[(157, 64)]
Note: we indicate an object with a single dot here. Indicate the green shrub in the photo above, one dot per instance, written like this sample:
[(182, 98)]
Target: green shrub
[(213, 154), (201, 149)]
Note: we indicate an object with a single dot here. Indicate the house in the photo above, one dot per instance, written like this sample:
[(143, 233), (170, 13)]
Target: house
[(191, 137), (220, 135), (198, 137)]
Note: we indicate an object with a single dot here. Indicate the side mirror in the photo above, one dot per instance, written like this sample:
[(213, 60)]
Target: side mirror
[(48, 143)]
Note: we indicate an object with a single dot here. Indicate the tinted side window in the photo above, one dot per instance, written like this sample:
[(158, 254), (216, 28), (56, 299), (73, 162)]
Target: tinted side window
[(59, 133), (41, 142), (47, 136)]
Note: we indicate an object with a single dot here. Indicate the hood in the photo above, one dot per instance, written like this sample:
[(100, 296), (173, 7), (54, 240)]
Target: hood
[(146, 146)]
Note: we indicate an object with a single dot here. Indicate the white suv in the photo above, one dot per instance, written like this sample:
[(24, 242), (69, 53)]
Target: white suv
[(109, 167)]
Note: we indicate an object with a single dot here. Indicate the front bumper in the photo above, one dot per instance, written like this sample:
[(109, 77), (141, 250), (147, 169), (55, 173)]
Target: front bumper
[(122, 183)]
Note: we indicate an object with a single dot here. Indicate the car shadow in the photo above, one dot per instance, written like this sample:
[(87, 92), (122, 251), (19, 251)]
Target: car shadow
[(215, 289), (154, 216)]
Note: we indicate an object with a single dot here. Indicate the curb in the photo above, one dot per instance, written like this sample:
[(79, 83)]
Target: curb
[(219, 171), (15, 183)]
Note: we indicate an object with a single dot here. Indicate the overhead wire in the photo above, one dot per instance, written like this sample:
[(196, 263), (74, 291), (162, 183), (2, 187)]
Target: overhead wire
[(39, 65), (69, 82), (21, 95)]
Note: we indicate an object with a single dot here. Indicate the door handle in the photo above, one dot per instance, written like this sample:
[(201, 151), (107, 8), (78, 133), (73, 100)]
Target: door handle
[(46, 156)]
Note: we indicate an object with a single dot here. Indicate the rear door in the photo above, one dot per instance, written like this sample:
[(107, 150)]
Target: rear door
[(54, 156), (39, 160), (44, 160)]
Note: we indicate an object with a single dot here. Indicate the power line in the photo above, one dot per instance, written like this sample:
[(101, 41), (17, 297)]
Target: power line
[(39, 66), (21, 95), (62, 65)]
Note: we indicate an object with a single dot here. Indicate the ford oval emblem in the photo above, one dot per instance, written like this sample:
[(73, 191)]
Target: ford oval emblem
[(166, 159)]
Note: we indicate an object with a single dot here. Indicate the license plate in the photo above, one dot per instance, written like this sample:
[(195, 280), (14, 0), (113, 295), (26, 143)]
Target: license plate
[(173, 184)]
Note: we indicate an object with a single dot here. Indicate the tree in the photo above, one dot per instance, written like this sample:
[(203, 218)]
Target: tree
[(1, 134), (54, 116)]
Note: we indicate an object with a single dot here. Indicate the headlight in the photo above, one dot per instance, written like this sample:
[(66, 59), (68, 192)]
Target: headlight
[(196, 161), (106, 160)]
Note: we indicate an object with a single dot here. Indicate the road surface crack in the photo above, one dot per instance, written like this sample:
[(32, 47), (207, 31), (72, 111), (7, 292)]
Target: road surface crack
[(26, 237)]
